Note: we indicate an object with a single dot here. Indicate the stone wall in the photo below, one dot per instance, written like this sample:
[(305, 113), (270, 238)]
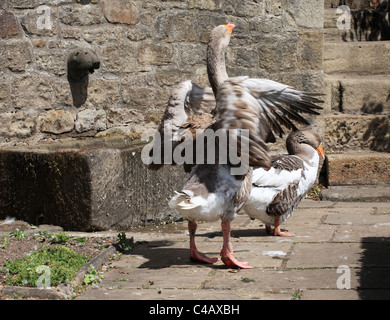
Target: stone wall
[(145, 48)]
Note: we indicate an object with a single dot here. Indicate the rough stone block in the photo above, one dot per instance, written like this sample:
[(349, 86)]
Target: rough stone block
[(20, 124), (358, 169), (51, 61), (8, 24), (278, 53), (15, 55), (56, 121), (357, 57), (367, 193), (80, 15), (120, 11), (103, 93), (43, 23), (307, 13), (310, 49), (91, 119), (86, 185), (155, 54), (26, 4), (32, 88), (360, 94), (205, 4), (5, 97), (250, 8), (177, 26), (364, 132), (119, 57)]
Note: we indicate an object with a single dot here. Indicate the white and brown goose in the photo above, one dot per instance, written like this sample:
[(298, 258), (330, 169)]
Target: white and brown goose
[(277, 192), (259, 106)]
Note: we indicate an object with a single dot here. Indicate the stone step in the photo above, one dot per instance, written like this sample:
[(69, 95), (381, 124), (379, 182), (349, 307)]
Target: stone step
[(359, 57), (98, 184), (367, 193), (355, 25), (358, 168), (330, 18), (356, 132), (358, 94), (331, 32)]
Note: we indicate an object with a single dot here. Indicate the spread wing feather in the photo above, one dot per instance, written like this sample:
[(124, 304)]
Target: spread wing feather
[(245, 103), (189, 108), (260, 106)]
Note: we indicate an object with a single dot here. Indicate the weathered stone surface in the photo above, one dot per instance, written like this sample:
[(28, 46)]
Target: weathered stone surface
[(56, 121), (119, 58), (170, 76), (120, 11), (32, 88), (102, 35), (307, 13), (365, 132), (103, 93), (8, 24), (143, 96), (90, 119), (155, 54), (357, 193), (94, 185), (310, 49), (21, 124), (357, 57), (176, 26), (205, 4), (245, 9), (41, 22), (275, 53), (15, 55), (359, 94), (5, 97), (51, 61), (80, 15), (358, 169), (25, 4)]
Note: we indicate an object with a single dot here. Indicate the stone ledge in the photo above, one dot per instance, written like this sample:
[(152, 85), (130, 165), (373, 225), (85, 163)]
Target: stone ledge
[(364, 57), (359, 94), (357, 132), (357, 193), (98, 184), (358, 168)]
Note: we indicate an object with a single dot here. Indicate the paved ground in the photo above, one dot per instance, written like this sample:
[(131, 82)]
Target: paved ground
[(336, 245)]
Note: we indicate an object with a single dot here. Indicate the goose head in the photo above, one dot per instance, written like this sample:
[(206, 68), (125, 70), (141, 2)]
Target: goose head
[(305, 144)]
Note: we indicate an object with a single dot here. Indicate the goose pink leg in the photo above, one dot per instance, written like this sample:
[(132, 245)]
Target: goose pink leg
[(281, 232), (194, 253), (227, 249)]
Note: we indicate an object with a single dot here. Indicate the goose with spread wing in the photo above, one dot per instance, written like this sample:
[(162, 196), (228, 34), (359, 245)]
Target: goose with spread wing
[(255, 108)]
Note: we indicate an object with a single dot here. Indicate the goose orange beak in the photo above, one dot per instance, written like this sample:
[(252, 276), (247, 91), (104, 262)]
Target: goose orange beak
[(320, 151), (230, 27)]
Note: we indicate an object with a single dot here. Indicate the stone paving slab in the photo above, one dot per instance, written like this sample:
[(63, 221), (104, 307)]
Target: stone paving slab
[(332, 240), (371, 233)]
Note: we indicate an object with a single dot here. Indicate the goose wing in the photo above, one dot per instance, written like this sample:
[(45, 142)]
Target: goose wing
[(189, 108), (285, 170), (262, 107)]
